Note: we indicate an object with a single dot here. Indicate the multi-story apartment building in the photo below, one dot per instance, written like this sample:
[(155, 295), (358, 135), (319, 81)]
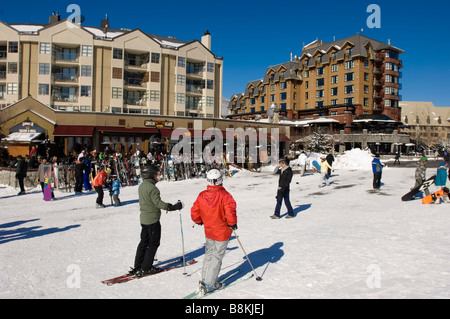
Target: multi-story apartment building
[(428, 125), (98, 69), (355, 75)]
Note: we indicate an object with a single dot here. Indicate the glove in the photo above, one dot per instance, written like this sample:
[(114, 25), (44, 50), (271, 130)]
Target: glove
[(177, 206), (233, 227)]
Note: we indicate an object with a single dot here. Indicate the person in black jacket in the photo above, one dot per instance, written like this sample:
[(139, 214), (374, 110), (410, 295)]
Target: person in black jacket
[(80, 167), (284, 182), (21, 173)]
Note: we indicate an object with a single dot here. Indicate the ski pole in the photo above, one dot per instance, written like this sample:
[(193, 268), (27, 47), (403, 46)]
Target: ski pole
[(254, 271), (182, 240)]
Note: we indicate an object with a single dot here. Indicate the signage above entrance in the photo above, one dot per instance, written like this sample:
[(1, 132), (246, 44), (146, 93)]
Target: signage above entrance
[(158, 124)]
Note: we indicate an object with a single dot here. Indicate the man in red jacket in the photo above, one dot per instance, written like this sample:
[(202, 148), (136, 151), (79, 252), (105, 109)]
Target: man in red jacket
[(214, 208)]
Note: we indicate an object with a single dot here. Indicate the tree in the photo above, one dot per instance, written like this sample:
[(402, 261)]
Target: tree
[(319, 142)]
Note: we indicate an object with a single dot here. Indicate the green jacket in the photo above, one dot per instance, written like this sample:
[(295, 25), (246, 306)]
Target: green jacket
[(150, 202)]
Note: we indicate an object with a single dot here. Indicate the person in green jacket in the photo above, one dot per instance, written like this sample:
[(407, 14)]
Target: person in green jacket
[(150, 204)]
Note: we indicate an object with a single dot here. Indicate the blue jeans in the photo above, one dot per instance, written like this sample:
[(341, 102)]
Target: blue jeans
[(280, 196)]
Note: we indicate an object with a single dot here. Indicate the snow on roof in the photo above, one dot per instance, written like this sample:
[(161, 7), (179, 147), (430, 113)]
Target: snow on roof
[(100, 33), (169, 43), (26, 27)]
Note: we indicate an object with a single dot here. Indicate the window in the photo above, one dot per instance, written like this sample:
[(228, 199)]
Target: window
[(319, 104), (13, 47), (43, 89), (44, 68), (117, 73), (209, 101), (366, 64), (272, 97), (334, 55), (334, 79), (155, 57), (12, 89), (334, 91), (154, 95), (348, 52), (44, 48), (12, 67), (349, 65), (210, 84), (320, 71), (85, 90), (366, 101), (349, 89), (366, 89), (181, 79), (349, 101), (86, 50), (181, 98), (117, 54), (86, 70), (334, 67), (154, 77), (283, 96), (334, 102), (283, 86), (85, 108), (272, 87), (320, 82), (181, 62), (210, 67), (349, 77), (366, 76), (261, 99), (306, 74), (116, 93), (319, 93)]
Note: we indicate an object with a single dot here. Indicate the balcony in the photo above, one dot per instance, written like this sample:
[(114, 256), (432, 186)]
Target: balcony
[(136, 63), (61, 77), (194, 89), (65, 98), (66, 57)]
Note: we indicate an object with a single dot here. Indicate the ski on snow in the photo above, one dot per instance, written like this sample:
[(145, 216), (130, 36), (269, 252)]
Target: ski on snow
[(129, 277), (200, 295)]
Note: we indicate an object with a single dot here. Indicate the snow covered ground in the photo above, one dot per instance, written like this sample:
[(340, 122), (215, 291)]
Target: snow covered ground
[(345, 242)]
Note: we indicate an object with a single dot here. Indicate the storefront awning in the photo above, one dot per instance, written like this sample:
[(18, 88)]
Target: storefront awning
[(123, 129), (21, 137), (73, 130)]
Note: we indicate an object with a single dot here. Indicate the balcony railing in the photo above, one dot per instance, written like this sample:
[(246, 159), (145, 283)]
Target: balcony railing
[(139, 63), (60, 77), (64, 98), (67, 57)]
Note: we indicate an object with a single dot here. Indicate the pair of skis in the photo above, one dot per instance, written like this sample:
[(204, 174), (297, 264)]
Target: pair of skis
[(128, 277)]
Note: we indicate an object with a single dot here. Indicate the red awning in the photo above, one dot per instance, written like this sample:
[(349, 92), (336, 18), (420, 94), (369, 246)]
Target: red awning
[(123, 129), (73, 130)]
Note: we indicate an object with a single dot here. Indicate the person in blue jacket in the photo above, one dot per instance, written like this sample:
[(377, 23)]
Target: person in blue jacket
[(377, 169), (441, 178), (116, 190)]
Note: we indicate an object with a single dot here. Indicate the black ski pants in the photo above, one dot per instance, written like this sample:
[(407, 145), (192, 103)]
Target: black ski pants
[(99, 190), (146, 250)]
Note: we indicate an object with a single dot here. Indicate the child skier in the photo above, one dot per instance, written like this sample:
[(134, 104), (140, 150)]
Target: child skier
[(115, 190), (324, 168), (214, 208)]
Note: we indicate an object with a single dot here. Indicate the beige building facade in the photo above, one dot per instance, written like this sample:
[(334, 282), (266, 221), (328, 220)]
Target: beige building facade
[(72, 67), (426, 123)]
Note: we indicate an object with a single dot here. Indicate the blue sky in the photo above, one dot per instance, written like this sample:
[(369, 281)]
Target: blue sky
[(253, 35)]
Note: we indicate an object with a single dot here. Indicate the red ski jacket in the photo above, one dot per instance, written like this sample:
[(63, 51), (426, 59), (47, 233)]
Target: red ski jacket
[(216, 209), (100, 179)]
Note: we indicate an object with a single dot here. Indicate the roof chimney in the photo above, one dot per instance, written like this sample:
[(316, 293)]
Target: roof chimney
[(105, 22), (206, 40), (54, 18)]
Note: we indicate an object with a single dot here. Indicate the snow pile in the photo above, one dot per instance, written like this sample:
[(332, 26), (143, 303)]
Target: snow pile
[(354, 159)]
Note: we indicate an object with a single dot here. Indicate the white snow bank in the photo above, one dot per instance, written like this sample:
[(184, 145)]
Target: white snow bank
[(354, 159)]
